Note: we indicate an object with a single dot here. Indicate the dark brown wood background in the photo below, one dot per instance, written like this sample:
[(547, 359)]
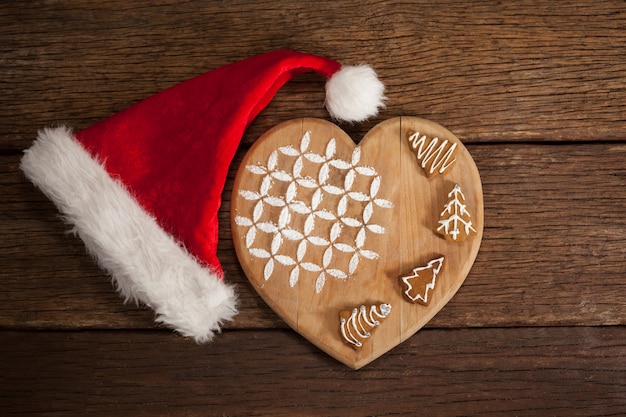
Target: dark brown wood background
[(535, 89)]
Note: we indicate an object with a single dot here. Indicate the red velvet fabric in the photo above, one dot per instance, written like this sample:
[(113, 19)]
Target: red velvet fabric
[(173, 149)]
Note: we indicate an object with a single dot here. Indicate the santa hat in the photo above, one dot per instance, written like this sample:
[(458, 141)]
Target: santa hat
[(143, 188)]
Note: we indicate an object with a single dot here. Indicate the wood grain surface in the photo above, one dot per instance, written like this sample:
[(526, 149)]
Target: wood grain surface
[(535, 90), (555, 371)]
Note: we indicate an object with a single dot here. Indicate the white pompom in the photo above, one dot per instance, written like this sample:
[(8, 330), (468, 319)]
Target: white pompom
[(354, 93)]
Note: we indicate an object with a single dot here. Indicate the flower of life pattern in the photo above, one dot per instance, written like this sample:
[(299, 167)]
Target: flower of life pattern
[(300, 212)]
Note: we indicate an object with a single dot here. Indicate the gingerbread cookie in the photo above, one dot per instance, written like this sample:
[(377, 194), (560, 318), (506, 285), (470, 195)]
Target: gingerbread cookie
[(455, 222), (358, 324), (417, 285), (434, 157)]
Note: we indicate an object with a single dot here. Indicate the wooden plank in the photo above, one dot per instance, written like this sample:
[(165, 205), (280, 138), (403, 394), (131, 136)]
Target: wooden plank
[(523, 372), (514, 71), (553, 250)]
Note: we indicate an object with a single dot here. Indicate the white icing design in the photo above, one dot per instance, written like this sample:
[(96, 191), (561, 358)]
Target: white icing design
[(361, 322), (455, 219), (323, 230), (421, 295), (439, 158)]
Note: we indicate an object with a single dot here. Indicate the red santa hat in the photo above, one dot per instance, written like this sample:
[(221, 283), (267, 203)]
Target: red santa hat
[(143, 188)]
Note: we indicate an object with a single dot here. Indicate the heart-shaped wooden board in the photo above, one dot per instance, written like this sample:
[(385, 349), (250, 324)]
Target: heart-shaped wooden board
[(322, 226)]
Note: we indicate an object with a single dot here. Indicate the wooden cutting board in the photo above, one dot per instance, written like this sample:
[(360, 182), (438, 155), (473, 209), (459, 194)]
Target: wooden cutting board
[(322, 226)]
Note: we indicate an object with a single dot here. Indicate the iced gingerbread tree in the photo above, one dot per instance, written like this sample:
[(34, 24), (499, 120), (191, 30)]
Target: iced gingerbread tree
[(455, 222), (417, 284), (358, 325)]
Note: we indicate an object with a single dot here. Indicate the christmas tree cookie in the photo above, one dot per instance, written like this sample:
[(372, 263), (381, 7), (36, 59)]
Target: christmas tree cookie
[(417, 285), (455, 222), (357, 325), (435, 156)]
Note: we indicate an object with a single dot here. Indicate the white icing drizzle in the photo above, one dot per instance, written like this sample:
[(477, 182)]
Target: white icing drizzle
[(439, 157), (360, 323)]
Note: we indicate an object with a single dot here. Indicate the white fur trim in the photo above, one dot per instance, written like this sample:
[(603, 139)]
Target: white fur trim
[(146, 263), (354, 93)]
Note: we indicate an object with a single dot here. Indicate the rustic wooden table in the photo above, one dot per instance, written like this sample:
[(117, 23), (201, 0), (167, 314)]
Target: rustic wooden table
[(535, 90)]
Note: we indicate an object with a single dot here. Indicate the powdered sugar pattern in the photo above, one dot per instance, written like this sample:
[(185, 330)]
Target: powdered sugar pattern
[(322, 233)]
